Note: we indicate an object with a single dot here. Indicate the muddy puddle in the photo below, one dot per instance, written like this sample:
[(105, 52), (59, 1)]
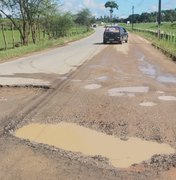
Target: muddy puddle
[(154, 72), (75, 138)]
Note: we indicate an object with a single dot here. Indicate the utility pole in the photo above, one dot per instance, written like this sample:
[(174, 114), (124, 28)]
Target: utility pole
[(159, 18), (132, 17)]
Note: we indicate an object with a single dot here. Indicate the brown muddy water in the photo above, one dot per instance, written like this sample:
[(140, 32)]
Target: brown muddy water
[(75, 138)]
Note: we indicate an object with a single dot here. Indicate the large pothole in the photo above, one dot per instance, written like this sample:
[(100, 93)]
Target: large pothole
[(75, 138)]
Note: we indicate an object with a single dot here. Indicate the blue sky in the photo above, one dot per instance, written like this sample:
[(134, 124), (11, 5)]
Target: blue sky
[(125, 6)]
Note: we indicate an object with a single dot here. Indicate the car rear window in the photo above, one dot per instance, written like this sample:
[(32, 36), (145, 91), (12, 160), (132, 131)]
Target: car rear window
[(112, 29)]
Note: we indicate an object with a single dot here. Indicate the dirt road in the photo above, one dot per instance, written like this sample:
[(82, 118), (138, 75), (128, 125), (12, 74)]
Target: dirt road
[(126, 91)]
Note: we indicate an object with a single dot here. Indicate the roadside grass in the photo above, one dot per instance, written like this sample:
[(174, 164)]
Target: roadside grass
[(166, 46), (43, 44), (9, 40), (17, 39)]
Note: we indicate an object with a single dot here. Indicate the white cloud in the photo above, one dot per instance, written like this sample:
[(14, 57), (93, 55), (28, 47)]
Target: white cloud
[(76, 5), (93, 5), (90, 3), (154, 8), (71, 5), (101, 6)]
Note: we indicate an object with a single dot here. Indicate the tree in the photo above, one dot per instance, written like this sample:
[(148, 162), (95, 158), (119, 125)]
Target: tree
[(63, 24), (27, 12), (145, 17), (134, 17), (112, 5), (84, 17), (167, 16)]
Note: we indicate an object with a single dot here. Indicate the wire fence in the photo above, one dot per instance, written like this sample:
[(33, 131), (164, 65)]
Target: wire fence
[(166, 36), (10, 37)]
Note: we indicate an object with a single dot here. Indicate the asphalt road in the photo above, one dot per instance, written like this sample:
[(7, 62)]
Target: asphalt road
[(59, 61), (125, 91)]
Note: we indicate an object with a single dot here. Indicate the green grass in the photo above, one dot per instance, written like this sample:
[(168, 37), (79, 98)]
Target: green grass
[(43, 44), (165, 45), (168, 47), (9, 39), (165, 26), (8, 35)]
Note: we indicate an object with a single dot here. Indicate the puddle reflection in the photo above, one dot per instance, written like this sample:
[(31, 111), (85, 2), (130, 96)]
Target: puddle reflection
[(153, 72)]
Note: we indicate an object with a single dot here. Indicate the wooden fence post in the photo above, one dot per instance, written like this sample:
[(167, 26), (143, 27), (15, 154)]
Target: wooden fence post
[(13, 38), (39, 34), (5, 41), (44, 33), (173, 38), (21, 38)]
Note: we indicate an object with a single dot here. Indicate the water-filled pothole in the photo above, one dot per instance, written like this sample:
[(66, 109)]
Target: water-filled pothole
[(154, 72), (167, 79), (75, 138)]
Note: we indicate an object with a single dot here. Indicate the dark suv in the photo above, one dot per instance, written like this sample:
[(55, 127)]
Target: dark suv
[(115, 34)]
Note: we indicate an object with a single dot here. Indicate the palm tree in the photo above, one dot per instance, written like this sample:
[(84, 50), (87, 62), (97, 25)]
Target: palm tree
[(112, 5)]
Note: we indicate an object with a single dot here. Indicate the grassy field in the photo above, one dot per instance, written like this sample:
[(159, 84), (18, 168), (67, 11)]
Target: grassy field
[(75, 34), (165, 27)]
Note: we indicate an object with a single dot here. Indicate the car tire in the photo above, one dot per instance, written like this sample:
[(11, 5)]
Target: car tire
[(121, 40), (104, 42)]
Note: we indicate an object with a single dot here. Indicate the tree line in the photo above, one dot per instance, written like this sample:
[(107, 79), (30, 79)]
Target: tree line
[(30, 16), (166, 15)]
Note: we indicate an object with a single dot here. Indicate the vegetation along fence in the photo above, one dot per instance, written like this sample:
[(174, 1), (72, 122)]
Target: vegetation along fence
[(166, 36), (11, 38)]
